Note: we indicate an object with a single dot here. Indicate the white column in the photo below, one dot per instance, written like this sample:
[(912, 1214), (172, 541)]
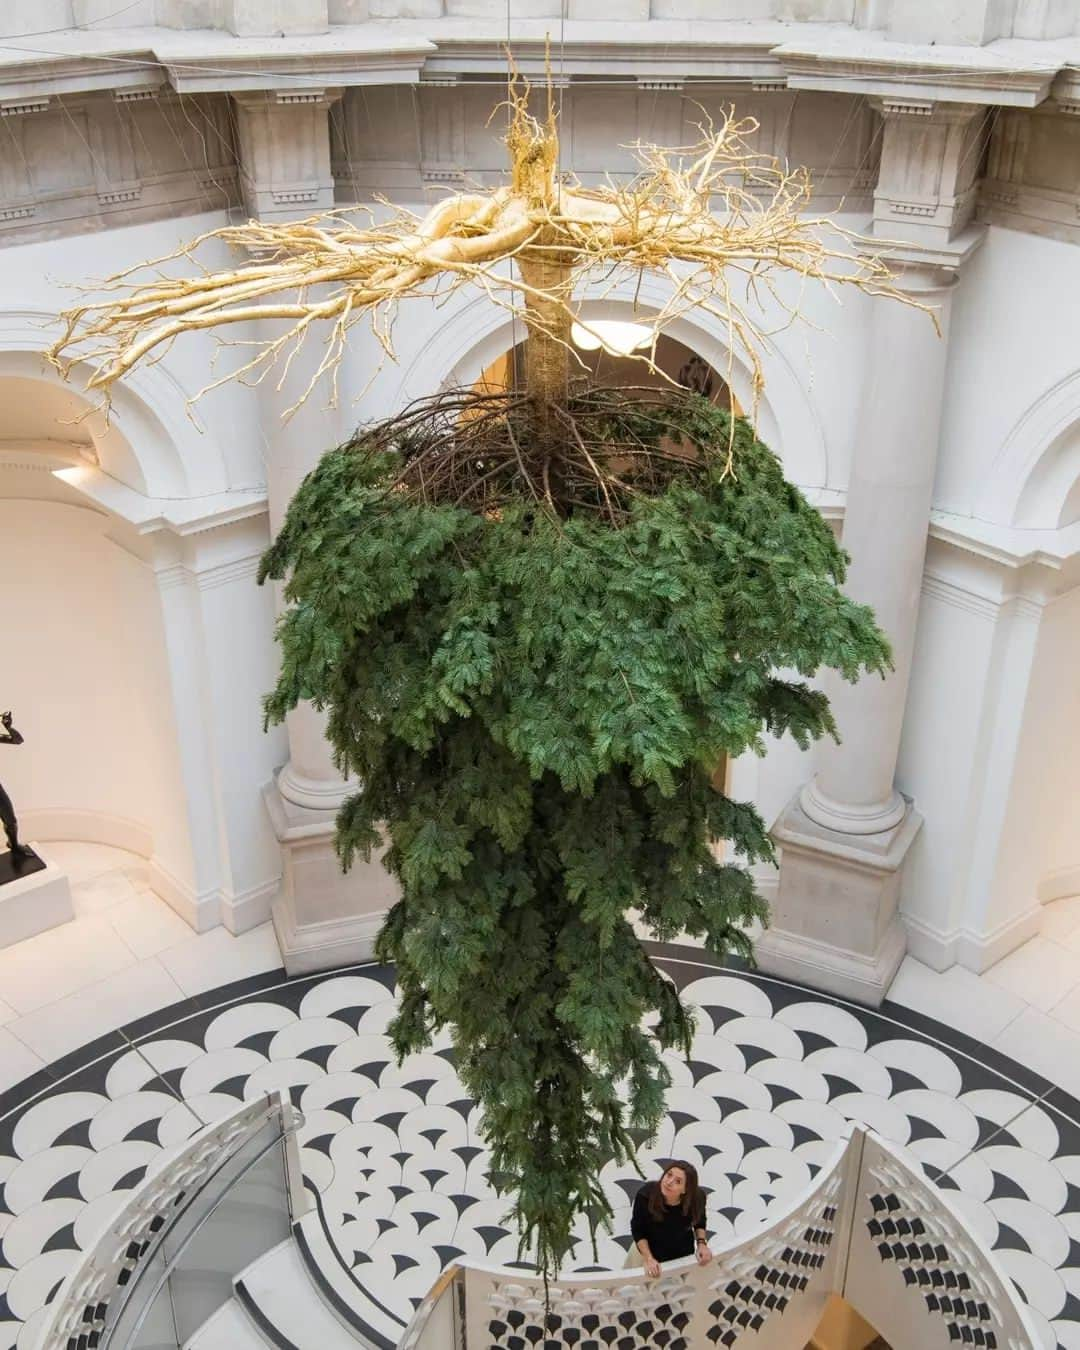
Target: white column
[(323, 917), (218, 632), (195, 892), (309, 778), (885, 524), (969, 891), (285, 152), (846, 834)]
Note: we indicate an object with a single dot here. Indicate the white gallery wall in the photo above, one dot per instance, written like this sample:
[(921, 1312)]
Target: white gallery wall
[(145, 590), (85, 674), (1040, 842)]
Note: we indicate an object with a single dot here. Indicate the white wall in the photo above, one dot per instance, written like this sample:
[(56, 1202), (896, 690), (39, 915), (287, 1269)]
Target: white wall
[(1015, 334), (1040, 844), (84, 673)]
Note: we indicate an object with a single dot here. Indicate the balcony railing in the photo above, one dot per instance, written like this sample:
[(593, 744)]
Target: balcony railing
[(167, 1260), (870, 1227)]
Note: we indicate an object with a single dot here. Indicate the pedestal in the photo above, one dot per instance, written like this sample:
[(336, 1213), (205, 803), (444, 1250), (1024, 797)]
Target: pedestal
[(324, 918), (37, 897), (834, 923)]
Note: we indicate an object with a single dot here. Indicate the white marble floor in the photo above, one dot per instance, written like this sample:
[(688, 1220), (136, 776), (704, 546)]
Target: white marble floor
[(128, 954), (1007, 1147), (125, 955)]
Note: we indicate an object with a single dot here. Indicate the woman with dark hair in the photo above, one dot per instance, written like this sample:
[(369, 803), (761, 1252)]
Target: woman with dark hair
[(669, 1220)]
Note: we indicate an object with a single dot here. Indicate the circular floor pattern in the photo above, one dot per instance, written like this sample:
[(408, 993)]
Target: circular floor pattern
[(396, 1158)]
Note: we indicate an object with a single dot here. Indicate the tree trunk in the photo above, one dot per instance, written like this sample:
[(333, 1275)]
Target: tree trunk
[(547, 355)]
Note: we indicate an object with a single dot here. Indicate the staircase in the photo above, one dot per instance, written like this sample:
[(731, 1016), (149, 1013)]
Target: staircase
[(279, 1302)]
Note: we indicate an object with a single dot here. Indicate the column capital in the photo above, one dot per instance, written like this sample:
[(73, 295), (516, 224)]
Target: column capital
[(925, 110), (928, 177), (284, 137)]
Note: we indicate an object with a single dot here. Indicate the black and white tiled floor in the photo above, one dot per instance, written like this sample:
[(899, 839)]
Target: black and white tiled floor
[(396, 1156)]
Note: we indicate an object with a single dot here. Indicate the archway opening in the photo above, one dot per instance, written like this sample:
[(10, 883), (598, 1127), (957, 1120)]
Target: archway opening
[(677, 363), (85, 671)]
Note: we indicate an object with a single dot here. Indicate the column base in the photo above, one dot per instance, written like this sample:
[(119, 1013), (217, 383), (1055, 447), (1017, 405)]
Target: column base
[(835, 925), (323, 917)]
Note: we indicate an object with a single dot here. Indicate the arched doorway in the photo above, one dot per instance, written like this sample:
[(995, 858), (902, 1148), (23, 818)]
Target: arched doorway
[(137, 644), (677, 364), (85, 667)]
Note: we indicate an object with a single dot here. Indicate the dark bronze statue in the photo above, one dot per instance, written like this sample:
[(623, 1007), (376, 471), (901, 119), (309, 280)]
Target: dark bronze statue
[(9, 736)]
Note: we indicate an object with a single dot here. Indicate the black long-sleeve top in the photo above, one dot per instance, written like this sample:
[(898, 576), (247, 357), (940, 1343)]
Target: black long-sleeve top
[(669, 1237)]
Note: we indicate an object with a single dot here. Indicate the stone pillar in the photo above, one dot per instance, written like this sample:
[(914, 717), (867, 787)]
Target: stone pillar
[(323, 917), (845, 835), (218, 630), (885, 523), (978, 750)]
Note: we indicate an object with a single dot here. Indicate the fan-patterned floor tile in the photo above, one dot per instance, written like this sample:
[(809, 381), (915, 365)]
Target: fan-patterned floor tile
[(396, 1153)]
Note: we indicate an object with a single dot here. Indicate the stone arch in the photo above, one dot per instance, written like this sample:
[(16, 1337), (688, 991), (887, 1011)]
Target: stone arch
[(468, 340), (149, 442), (1035, 479)]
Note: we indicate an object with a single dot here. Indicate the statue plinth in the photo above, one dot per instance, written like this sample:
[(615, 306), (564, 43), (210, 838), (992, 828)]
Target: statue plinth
[(14, 866), (37, 897)]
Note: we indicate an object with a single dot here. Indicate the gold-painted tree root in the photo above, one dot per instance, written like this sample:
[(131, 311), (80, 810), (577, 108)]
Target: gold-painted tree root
[(718, 221)]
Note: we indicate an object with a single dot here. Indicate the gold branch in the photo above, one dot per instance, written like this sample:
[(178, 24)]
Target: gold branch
[(714, 219)]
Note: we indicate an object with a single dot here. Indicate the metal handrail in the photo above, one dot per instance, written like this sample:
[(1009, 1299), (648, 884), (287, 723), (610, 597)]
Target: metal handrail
[(97, 1291)]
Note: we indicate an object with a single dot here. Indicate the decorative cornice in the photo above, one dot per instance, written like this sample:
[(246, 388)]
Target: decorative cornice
[(289, 97), (20, 107), (1007, 545), (649, 85), (216, 63), (960, 597), (1066, 89), (224, 574), (44, 454), (926, 267), (653, 51), (760, 53), (78, 72), (171, 575), (444, 175), (856, 63), (906, 107)]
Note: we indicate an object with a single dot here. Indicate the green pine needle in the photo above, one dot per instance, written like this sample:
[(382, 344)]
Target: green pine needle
[(535, 703)]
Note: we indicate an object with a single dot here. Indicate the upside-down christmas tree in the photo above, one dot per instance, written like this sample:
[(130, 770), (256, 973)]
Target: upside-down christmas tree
[(540, 617)]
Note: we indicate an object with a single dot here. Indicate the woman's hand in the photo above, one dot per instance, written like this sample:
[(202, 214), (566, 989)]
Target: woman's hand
[(652, 1267), (704, 1256)]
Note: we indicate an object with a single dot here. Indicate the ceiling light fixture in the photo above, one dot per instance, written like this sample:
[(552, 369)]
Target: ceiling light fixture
[(614, 336)]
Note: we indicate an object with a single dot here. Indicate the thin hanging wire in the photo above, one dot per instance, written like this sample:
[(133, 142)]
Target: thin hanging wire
[(514, 362)]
